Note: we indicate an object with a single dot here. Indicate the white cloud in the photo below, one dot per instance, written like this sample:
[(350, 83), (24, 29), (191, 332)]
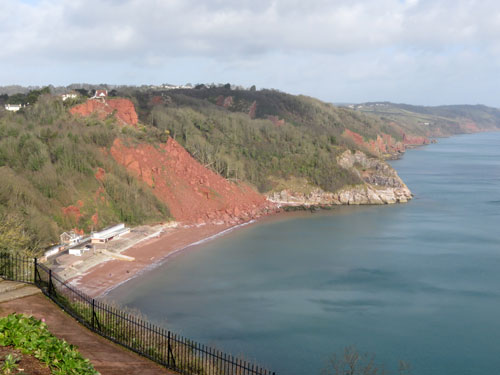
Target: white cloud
[(342, 43)]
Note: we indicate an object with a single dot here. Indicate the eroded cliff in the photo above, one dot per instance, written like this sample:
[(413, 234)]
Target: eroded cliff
[(122, 109)]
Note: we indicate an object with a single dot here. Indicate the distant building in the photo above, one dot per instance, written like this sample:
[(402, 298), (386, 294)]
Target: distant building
[(109, 233), (13, 107), (68, 96), (100, 94)]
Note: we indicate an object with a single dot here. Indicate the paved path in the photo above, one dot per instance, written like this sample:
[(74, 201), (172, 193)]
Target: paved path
[(107, 358), (11, 290)]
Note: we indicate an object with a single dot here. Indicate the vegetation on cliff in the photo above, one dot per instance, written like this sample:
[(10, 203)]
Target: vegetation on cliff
[(58, 173), (56, 176), (267, 136)]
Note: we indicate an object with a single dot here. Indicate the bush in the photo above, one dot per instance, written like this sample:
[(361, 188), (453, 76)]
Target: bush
[(31, 336)]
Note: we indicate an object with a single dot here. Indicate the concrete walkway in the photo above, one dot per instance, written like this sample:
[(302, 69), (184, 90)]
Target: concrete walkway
[(11, 290), (107, 358)]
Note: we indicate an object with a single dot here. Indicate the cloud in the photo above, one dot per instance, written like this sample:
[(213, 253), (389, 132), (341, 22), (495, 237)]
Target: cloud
[(339, 43)]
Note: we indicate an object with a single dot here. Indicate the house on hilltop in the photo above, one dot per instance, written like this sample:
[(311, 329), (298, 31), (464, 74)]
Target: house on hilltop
[(13, 107), (100, 94), (71, 95)]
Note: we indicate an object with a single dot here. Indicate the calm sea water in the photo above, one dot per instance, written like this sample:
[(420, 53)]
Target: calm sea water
[(418, 282)]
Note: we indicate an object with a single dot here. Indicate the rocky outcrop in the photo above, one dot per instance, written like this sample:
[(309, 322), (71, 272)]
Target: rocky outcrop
[(123, 109), (225, 102), (413, 140), (382, 185)]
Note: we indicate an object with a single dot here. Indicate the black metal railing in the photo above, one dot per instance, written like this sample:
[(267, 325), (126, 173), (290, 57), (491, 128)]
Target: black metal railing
[(17, 268), (156, 343)]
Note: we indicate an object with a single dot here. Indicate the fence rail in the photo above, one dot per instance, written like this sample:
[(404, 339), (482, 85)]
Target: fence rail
[(156, 343)]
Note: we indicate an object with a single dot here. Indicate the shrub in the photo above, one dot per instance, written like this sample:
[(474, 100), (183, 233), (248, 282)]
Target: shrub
[(31, 336)]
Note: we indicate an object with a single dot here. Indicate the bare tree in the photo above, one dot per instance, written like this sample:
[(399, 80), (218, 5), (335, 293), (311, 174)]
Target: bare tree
[(352, 362)]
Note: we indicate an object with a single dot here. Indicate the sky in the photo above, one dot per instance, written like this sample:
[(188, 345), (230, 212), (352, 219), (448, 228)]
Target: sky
[(425, 52)]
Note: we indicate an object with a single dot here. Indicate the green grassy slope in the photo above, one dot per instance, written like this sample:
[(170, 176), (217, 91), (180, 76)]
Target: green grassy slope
[(434, 121)]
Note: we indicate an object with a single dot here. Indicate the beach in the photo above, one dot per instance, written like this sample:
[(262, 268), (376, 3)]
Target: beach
[(100, 279)]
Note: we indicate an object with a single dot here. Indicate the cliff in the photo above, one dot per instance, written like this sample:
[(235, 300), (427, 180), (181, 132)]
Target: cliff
[(381, 185), (122, 109), (193, 193)]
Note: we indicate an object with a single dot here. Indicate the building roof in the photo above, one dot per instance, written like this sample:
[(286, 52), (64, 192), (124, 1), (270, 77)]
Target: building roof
[(109, 232)]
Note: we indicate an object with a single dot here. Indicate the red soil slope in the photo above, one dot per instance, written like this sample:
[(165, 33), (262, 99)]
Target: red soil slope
[(123, 108), (193, 193), (385, 143)]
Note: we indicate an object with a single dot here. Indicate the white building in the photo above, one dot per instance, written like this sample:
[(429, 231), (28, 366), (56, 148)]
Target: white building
[(68, 96), (13, 107), (100, 94), (70, 238), (109, 233)]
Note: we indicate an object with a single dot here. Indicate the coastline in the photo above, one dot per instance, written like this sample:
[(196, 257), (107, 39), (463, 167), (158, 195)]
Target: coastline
[(102, 278), (99, 280)]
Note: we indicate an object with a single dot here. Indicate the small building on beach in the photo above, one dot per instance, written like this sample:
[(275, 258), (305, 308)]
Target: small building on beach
[(109, 233), (70, 238)]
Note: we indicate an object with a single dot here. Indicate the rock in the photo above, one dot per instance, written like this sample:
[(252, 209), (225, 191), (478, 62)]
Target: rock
[(382, 185)]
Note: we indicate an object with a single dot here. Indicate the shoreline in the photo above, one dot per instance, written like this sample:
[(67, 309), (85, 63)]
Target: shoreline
[(101, 279), (173, 252)]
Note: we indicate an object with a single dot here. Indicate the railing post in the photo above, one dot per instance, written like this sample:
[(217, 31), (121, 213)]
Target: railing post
[(93, 313), (50, 282), (168, 349), (35, 270)]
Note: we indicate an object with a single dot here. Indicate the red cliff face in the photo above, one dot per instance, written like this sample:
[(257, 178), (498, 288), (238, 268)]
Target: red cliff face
[(412, 140), (384, 143), (193, 193), (123, 108)]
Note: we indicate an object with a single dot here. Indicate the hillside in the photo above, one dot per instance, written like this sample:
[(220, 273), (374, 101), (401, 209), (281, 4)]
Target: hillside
[(439, 121), (56, 176), (252, 135), (201, 155)]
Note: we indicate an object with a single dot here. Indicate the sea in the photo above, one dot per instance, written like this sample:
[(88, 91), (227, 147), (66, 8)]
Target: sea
[(416, 282)]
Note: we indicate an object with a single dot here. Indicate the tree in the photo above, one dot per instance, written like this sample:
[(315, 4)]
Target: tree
[(353, 362), (13, 236), (253, 88), (82, 92)]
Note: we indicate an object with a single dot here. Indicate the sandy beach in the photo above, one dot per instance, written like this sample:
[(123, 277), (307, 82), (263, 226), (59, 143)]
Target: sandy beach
[(100, 279)]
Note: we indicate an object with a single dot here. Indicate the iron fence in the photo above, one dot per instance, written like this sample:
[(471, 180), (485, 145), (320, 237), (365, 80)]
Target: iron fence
[(17, 268), (156, 343)]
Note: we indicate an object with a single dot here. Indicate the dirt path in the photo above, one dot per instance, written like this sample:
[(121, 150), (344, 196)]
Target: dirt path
[(107, 358)]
